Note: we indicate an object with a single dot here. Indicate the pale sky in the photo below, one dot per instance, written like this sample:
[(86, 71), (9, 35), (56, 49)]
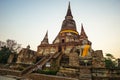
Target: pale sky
[(27, 21)]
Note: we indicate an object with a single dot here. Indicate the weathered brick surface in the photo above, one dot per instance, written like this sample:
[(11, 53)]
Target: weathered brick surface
[(9, 72), (73, 59), (47, 77), (33, 76)]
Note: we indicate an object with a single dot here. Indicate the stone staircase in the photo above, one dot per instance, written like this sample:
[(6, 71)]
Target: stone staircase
[(57, 54), (40, 63)]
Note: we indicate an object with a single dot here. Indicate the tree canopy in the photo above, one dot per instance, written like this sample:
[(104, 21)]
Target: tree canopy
[(4, 54), (11, 47), (110, 61)]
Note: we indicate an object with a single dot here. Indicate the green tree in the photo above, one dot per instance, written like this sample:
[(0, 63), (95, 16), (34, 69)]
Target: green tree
[(8, 53), (4, 54), (110, 61)]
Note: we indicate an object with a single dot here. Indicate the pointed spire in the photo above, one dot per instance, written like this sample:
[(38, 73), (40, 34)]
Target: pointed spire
[(46, 35), (83, 34), (69, 13), (45, 40)]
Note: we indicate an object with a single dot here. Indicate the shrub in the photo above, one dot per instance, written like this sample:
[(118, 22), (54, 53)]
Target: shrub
[(48, 72)]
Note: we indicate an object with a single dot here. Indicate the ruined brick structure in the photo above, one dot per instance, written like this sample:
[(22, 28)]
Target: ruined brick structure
[(26, 56), (70, 54)]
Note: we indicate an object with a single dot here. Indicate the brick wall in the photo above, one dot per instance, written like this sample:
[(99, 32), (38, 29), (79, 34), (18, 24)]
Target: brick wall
[(47, 77), (9, 72), (33, 76)]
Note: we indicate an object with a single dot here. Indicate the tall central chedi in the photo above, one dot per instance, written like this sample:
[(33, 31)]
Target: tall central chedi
[(69, 23), (68, 32)]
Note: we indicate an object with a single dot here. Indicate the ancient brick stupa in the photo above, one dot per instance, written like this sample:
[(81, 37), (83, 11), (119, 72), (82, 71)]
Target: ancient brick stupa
[(70, 50)]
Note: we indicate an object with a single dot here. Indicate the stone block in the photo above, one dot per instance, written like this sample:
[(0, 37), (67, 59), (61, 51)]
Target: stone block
[(73, 59)]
